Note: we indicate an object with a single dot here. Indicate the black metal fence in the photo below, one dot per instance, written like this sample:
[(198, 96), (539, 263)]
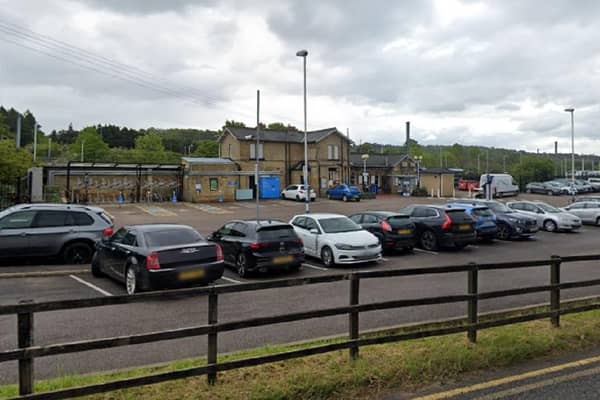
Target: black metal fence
[(14, 192), (27, 351)]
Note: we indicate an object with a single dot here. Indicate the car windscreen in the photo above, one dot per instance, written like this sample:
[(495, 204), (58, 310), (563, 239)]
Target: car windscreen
[(338, 224), (499, 208), (172, 237), (548, 208), (284, 232), (482, 212)]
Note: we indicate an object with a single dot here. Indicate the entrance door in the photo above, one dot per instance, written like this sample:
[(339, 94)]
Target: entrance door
[(252, 185)]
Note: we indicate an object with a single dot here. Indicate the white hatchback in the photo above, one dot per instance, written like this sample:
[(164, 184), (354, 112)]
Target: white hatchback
[(297, 192), (336, 239)]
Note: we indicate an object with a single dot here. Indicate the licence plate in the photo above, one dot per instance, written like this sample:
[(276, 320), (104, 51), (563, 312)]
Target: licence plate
[(488, 223), (283, 259), (464, 227), (404, 231), (193, 274)]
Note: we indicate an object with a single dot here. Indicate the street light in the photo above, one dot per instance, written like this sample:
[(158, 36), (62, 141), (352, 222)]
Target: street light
[(572, 110), (365, 157), (304, 54), (418, 159)]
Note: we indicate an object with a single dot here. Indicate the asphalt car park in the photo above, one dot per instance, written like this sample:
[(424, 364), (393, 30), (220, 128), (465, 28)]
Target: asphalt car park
[(78, 282)]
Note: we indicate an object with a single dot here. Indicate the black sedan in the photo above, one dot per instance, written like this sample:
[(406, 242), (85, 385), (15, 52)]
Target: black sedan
[(439, 226), (251, 245), (394, 231), (145, 257), (511, 224)]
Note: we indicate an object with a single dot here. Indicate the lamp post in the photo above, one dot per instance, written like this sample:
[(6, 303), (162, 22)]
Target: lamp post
[(303, 54), (418, 159), (365, 157), (572, 110), (82, 146)]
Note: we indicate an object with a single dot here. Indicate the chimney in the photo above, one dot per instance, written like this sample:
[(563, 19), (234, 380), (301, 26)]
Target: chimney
[(408, 138), (555, 147)]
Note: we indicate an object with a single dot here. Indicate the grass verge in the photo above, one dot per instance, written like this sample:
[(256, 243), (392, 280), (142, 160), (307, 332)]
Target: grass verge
[(381, 367)]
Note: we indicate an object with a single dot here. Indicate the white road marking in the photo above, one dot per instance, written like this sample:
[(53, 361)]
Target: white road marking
[(86, 283), (230, 280), (474, 246), (384, 259), (315, 267), (433, 253)]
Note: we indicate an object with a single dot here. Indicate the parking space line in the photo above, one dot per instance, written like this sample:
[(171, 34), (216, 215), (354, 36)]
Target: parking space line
[(474, 246), (92, 286), (433, 253), (384, 259), (315, 267), (230, 280)]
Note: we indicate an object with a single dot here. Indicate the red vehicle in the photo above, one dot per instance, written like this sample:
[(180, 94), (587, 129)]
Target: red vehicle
[(464, 184)]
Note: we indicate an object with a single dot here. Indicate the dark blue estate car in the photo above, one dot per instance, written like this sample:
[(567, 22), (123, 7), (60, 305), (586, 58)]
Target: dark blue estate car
[(485, 220), (344, 192)]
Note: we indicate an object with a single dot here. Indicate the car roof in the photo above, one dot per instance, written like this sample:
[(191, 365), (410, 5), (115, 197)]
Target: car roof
[(465, 206), (55, 206), (382, 213), (157, 227), (320, 215)]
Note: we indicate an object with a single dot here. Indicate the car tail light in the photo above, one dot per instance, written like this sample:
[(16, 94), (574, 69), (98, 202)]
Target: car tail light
[(386, 226), (447, 223), (152, 261), (258, 245), (299, 241), (219, 253), (108, 232)]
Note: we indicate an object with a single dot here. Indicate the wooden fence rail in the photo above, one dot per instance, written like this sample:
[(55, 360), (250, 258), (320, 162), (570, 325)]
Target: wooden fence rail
[(27, 352)]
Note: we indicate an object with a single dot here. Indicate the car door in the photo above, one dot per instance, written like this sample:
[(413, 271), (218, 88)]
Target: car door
[(108, 252), (312, 239), (15, 229), (372, 223), (225, 240), (537, 212), (579, 210), (50, 232), (123, 251)]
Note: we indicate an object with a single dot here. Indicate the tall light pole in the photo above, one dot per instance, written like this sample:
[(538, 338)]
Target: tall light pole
[(82, 145), (418, 159), (303, 54), (365, 157), (572, 110), (257, 154)]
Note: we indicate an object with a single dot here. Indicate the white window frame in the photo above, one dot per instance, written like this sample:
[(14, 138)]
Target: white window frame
[(329, 152), (261, 154), (336, 152)]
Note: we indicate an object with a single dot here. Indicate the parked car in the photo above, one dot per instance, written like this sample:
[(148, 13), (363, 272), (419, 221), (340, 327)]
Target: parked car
[(394, 231), (588, 211), (336, 239), (439, 226), (464, 184), (298, 193), (500, 185), (47, 230), (595, 182), (485, 220), (511, 224), (561, 187), (550, 218), (261, 245), (583, 186), (587, 198), (147, 257), (543, 188), (344, 192)]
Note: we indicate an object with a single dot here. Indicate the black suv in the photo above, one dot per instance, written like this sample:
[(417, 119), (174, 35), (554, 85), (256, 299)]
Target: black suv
[(394, 231), (511, 224), (438, 226), (251, 245)]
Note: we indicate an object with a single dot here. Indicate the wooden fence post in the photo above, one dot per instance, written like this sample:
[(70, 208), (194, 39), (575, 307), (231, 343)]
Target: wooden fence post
[(555, 291), (472, 307), (25, 339), (353, 316), (211, 356)]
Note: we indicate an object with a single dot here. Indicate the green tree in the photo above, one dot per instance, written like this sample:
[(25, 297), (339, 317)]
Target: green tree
[(94, 148), (13, 162), (206, 148), (149, 148), (280, 126), (234, 124), (533, 168)]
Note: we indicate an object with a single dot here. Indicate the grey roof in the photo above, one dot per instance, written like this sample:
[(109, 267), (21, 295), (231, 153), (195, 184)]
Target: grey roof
[(271, 135), (207, 160), (377, 160), (437, 171)]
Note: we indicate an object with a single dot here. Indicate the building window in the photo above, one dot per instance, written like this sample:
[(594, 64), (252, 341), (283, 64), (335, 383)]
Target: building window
[(261, 155), (333, 152), (213, 184), (404, 164)]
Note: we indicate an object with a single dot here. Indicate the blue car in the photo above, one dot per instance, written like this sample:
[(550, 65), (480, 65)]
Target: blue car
[(344, 192), (485, 220)]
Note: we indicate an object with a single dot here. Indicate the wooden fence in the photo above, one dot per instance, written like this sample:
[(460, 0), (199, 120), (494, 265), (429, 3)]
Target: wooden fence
[(27, 352)]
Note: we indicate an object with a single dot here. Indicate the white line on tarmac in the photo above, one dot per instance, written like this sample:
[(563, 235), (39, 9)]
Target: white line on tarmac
[(433, 253), (315, 267), (474, 246), (230, 280), (96, 288), (384, 259)]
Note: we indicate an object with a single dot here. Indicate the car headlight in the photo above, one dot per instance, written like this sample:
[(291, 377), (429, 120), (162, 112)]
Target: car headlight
[(342, 246)]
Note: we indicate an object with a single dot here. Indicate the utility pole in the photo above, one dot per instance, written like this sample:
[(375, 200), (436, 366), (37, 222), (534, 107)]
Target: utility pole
[(487, 161), (35, 140), (441, 162), (478, 164), (49, 148), (82, 145), (18, 138), (503, 163), (257, 154)]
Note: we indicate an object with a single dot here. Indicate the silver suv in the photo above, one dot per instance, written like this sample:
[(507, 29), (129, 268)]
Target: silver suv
[(67, 231)]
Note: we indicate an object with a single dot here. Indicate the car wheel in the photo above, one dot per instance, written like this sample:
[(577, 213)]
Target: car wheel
[(96, 270), (77, 253), (282, 196), (328, 196), (429, 241), (327, 256), (503, 232), (345, 198), (550, 225), (241, 265), (358, 199), (297, 198), (598, 221), (131, 281)]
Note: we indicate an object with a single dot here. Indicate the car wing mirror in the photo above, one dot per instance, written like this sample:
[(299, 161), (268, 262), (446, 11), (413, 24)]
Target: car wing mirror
[(314, 231)]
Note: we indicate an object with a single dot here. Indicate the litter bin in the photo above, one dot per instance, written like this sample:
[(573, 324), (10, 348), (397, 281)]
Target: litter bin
[(373, 188)]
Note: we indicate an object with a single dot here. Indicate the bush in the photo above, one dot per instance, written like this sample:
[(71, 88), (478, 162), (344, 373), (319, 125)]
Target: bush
[(419, 192)]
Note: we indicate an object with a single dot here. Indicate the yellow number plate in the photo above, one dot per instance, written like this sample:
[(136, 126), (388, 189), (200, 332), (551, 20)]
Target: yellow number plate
[(193, 274), (464, 227), (283, 259), (404, 231)]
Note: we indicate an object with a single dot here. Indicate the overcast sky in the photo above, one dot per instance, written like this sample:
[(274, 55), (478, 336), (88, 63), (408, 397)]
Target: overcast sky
[(496, 73)]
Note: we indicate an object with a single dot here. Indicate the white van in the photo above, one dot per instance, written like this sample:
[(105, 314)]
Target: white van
[(501, 185), (595, 182)]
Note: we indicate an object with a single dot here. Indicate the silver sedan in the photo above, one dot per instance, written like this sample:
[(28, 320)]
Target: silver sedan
[(550, 218), (588, 211)]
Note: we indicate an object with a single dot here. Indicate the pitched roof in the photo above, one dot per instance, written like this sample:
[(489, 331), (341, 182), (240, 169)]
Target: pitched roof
[(377, 160), (272, 135)]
